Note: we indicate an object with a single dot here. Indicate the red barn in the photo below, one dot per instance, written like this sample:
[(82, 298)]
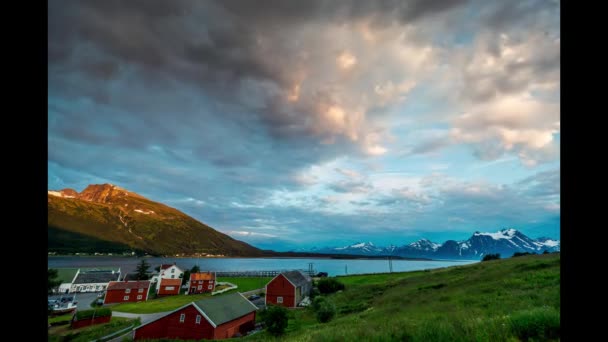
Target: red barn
[(201, 282), (215, 318), (127, 291), (288, 289), (168, 287)]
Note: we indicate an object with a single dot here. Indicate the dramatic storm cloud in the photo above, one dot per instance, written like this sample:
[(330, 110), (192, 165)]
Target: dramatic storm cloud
[(291, 124)]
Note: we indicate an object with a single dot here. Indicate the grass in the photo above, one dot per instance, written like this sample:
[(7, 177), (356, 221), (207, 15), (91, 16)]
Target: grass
[(515, 299), (62, 318), (64, 333), (247, 283), (160, 304), (169, 303)]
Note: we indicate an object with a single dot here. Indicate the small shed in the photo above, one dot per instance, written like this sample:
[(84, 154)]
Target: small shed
[(288, 289), (127, 291), (168, 287), (201, 282), (218, 317)]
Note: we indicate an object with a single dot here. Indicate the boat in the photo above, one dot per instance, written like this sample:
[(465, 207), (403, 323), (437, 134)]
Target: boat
[(62, 306)]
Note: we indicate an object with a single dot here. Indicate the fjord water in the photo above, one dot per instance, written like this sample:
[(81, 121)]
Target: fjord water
[(332, 266)]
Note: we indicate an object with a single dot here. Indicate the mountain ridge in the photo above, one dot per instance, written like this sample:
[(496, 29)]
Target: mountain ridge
[(506, 242), (106, 212)]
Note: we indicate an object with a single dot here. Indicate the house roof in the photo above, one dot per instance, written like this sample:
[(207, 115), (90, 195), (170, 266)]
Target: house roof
[(165, 266), (202, 276), (217, 310), (225, 308), (297, 278), (121, 285), (92, 277), (170, 282)]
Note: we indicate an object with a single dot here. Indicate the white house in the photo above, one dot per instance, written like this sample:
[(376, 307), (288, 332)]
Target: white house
[(168, 271), (93, 280)]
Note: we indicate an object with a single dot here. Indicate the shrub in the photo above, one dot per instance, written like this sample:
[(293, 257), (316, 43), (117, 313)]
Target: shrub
[(491, 257), (317, 302), (541, 323), (275, 318), (314, 293), (84, 314), (329, 285), (326, 311), (518, 254)]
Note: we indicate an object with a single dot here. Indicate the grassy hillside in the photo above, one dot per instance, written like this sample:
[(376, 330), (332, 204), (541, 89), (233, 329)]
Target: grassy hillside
[(124, 220), (502, 300)]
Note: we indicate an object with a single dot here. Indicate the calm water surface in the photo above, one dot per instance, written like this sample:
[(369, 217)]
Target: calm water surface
[(331, 266)]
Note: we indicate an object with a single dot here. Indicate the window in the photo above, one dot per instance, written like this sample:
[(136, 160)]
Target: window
[(172, 276), (126, 298), (128, 291), (182, 318), (280, 300), (200, 287), (140, 290), (198, 319), (211, 281), (200, 281), (210, 287), (173, 270), (139, 296)]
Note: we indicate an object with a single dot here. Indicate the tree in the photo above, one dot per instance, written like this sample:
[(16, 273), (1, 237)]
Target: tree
[(52, 281), (195, 269), (142, 270), (491, 256), (325, 311), (329, 285), (275, 318)]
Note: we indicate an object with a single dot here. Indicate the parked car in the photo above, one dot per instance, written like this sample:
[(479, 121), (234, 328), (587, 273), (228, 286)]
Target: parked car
[(254, 297)]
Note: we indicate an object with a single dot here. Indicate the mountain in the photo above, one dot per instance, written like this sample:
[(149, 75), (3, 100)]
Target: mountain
[(506, 242), (108, 218)]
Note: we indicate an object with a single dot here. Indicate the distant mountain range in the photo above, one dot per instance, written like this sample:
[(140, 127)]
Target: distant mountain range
[(506, 242), (108, 218)]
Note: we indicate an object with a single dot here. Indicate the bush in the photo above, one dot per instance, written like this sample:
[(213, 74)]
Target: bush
[(275, 318), (314, 293), (325, 311), (330, 285), (317, 302), (491, 256), (537, 324), (518, 254), (84, 314)]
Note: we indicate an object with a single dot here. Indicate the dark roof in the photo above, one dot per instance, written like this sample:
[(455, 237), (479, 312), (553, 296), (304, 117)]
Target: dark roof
[(165, 266), (225, 308), (91, 277), (121, 285), (297, 278)]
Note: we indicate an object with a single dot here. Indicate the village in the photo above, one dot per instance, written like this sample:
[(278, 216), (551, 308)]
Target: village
[(212, 309)]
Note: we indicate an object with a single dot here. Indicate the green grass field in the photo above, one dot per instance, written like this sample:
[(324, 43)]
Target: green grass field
[(173, 302), (90, 333), (512, 299), (247, 284)]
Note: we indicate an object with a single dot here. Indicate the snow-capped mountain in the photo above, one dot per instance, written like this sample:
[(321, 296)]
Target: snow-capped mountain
[(506, 242)]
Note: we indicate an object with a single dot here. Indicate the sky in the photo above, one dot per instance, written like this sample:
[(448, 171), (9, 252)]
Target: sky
[(298, 124)]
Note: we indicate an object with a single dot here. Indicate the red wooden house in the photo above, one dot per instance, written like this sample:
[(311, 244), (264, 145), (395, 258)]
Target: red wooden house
[(288, 289), (168, 287), (218, 317), (127, 291), (201, 282)]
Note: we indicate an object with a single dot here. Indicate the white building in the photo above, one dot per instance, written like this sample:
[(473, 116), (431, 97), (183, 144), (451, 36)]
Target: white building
[(168, 271), (93, 280)]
